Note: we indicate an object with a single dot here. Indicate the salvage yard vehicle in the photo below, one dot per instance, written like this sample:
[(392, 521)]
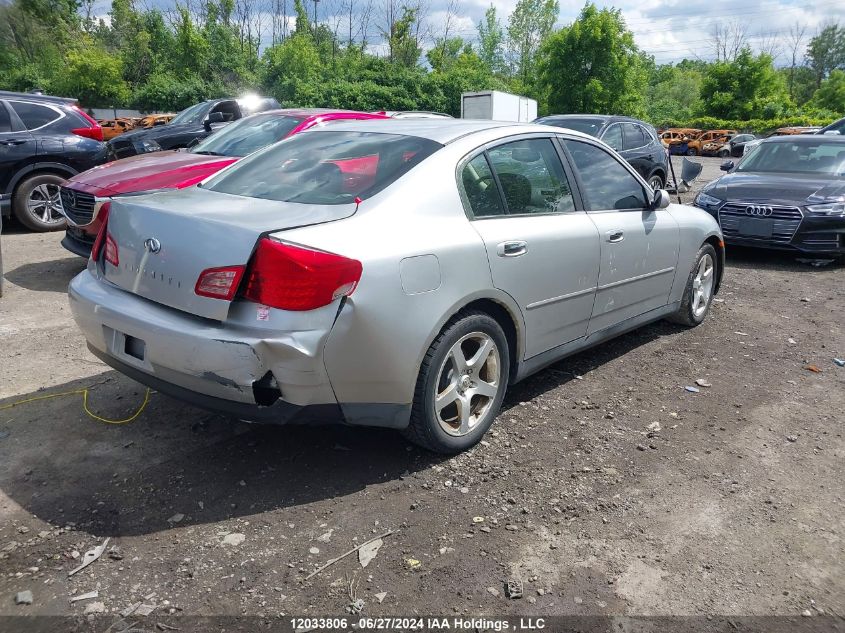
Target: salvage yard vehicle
[(43, 140), (85, 197), (192, 124), (390, 273), (636, 141), (788, 194), (153, 120), (737, 144), (115, 127), (695, 146)]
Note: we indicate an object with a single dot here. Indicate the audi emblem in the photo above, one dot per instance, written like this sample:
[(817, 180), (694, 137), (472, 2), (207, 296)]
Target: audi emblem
[(152, 245), (758, 211)]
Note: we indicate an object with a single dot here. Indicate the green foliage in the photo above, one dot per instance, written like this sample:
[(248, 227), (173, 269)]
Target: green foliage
[(675, 94), (404, 48), (831, 94), (757, 126), (93, 76), (593, 65), (745, 88), (826, 51), (491, 41), (166, 92), (530, 24)]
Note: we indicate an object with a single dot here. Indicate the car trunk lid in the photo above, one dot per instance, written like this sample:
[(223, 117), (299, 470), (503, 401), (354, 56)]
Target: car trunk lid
[(166, 240)]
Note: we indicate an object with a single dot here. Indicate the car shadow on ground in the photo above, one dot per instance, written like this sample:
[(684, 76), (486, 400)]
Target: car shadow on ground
[(65, 467), (744, 257), (49, 276)]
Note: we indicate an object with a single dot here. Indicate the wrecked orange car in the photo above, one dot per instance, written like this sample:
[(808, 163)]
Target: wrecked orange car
[(154, 120), (115, 127), (696, 145), (674, 136)]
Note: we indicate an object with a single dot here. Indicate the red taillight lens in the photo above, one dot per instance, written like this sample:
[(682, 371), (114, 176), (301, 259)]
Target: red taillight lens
[(219, 283), (103, 216), (295, 278), (93, 131), (111, 251)]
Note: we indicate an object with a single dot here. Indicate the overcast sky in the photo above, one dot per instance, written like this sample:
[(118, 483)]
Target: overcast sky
[(670, 30)]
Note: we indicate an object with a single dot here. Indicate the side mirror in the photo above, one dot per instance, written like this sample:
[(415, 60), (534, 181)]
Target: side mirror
[(727, 165), (660, 199), (214, 117)]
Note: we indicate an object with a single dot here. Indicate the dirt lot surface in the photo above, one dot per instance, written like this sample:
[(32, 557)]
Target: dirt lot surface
[(605, 485)]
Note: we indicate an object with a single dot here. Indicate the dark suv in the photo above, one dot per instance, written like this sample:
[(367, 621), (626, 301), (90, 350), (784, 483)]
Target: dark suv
[(634, 140), (43, 141), (191, 124)]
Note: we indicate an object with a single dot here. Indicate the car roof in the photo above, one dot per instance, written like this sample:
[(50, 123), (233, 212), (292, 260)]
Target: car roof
[(610, 118), (806, 138), (442, 131), (309, 112), (37, 97)]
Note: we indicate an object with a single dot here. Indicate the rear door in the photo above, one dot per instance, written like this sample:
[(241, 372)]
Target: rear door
[(637, 149), (542, 247), (17, 147), (639, 245)]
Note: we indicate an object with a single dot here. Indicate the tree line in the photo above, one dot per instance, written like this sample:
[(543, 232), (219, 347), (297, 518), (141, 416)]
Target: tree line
[(392, 54)]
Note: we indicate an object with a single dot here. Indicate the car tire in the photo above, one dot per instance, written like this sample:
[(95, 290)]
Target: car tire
[(691, 152), (463, 415), (724, 153), (699, 291), (37, 197), (656, 182)]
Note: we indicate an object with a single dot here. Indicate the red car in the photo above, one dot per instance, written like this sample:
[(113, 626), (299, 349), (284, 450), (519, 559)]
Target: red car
[(86, 195)]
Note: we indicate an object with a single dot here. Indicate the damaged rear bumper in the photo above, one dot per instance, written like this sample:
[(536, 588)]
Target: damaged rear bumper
[(246, 370)]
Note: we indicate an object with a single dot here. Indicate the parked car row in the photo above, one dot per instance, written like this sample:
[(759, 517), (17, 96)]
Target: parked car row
[(278, 289)]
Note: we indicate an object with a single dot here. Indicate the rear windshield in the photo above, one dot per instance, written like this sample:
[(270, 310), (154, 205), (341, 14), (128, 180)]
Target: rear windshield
[(248, 135), (823, 158), (326, 167), (586, 125)]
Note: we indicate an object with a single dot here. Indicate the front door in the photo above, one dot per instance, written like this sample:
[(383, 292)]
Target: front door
[(542, 248), (639, 245), (17, 148)]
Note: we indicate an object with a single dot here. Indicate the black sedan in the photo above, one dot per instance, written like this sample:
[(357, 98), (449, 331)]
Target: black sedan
[(636, 141), (788, 194), (192, 124)]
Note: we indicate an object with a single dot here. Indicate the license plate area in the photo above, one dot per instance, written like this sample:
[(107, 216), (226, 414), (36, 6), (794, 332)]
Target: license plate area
[(756, 227), (134, 347)]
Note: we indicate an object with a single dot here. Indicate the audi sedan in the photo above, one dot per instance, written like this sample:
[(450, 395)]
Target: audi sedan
[(395, 273), (788, 194)]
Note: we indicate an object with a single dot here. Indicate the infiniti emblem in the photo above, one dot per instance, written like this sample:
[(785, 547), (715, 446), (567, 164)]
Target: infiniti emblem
[(152, 245), (758, 210)]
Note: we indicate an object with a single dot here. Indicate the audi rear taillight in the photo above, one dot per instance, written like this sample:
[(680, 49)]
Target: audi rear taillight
[(291, 277), (219, 283), (103, 216), (93, 131)]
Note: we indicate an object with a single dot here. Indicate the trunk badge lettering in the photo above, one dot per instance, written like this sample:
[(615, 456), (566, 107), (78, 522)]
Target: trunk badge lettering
[(152, 245)]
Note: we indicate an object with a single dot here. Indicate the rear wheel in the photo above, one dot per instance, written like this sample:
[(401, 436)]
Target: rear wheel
[(656, 182), (461, 384), (698, 295), (37, 205), (692, 152), (724, 153)]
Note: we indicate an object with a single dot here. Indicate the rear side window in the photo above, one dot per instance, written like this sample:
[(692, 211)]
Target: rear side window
[(606, 183), (634, 137), (532, 177), (34, 115), (613, 137), (327, 167), (5, 121), (480, 188)]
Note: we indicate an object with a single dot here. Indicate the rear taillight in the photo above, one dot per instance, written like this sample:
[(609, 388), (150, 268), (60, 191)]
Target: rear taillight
[(93, 131), (219, 283), (103, 216), (291, 277), (111, 251)]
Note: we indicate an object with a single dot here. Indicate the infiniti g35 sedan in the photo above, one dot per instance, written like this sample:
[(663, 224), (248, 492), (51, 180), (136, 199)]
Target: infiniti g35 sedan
[(788, 194), (390, 273)]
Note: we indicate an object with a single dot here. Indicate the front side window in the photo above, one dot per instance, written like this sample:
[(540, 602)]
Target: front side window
[(34, 115), (326, 167), (613, 137), (248, 135), (606, 183)]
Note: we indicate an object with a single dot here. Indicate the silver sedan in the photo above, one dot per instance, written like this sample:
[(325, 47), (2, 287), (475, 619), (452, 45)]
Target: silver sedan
[(390, 273)]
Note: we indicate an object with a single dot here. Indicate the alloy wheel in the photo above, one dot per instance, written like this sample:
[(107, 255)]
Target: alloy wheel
[(655, 182), (702, 285), (45, 204), (467, 383)]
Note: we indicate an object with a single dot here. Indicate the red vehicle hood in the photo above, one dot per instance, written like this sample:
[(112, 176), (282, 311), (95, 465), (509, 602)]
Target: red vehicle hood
[(157, 170)]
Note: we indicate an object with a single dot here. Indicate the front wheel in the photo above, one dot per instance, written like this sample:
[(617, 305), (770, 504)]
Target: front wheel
[(461, 384), (656, 182), (698, 294)]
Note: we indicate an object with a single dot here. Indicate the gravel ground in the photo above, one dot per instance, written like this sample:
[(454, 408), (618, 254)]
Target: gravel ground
[(604, 485)]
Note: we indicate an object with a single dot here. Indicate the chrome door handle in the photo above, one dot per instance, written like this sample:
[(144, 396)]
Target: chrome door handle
[(513, 248), (617, 235)]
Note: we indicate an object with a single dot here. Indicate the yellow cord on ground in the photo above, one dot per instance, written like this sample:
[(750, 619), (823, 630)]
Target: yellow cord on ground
[(85, 408)]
